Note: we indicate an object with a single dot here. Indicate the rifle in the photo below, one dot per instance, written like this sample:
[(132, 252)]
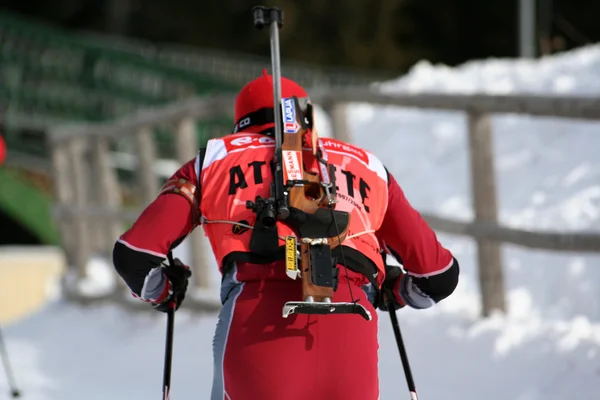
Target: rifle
[(305, 201)]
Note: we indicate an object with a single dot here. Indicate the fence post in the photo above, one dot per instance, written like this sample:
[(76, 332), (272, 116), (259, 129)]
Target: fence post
[(483, 183), (64, 195), (186, 145), (146, 155), (339, 121), (79, 169), (107, 194)]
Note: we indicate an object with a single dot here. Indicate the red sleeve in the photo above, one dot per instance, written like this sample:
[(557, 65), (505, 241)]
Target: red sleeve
[(406, 233), (165, 220), (139, 252)]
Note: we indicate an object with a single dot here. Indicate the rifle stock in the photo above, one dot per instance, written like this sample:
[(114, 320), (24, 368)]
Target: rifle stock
[(303, 200)]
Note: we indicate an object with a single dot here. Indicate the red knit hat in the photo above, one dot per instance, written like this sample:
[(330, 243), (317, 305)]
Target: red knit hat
[(254, 103)]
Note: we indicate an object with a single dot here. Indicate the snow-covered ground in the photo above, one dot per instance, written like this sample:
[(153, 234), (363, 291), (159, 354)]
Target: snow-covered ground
[(547, 347)]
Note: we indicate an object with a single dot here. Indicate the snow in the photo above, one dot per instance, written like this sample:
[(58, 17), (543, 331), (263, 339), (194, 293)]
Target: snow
[(99, 281), (546, 347)]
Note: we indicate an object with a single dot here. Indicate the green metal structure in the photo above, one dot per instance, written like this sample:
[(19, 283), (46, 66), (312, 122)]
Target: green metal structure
[(25, 203)]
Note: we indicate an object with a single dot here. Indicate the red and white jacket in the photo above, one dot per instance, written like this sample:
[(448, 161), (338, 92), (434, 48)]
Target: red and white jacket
[(397, 227)]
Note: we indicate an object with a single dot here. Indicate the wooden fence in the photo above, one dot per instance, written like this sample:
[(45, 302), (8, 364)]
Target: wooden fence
[(89, 199)]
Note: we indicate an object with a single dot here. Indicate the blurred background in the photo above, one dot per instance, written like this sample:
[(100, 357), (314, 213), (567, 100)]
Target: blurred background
[(102, 100)]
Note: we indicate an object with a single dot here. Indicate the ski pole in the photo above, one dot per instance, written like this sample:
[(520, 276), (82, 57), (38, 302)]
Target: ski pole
[(403, 356), (9, 373), (169, 343)]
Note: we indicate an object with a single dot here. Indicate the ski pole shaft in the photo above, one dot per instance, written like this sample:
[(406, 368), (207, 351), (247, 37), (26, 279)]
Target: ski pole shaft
[(9, 372), (169, 344), (168, 353), (403, 356)]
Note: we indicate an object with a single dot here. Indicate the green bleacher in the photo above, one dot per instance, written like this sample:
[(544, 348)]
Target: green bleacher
[(49, 76)]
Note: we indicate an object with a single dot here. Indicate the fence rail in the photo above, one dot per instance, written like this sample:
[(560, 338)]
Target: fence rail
[(193, 108), (553, 106), (81, 152)]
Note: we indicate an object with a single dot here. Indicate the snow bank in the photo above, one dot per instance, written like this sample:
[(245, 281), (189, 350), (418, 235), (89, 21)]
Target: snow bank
[(548, 169)]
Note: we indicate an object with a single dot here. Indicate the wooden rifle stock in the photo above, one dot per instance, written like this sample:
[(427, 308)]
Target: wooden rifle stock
[(307, 194), (303, 200)]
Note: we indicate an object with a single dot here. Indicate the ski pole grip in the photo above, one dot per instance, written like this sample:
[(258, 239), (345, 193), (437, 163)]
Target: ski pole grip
[(266, 16)]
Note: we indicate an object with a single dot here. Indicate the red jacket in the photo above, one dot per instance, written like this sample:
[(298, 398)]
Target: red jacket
[(403, 233)]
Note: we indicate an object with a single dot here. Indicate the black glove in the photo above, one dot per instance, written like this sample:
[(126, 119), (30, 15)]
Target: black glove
[(178, 274), (392, 275)]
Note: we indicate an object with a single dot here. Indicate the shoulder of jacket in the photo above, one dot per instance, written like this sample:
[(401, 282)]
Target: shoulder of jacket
[(365, 156), (187, 190)]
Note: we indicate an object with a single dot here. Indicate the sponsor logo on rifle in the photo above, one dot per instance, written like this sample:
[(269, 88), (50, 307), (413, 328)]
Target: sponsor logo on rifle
[(291, 261), (290, 125), (291, 162), (240, 229)]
